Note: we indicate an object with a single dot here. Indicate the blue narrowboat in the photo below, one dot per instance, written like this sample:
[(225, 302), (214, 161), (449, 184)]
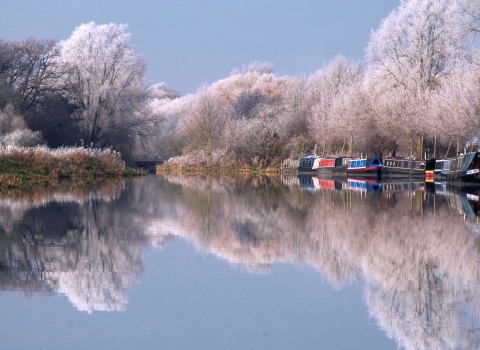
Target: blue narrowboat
[(308, 165), (365, 167)]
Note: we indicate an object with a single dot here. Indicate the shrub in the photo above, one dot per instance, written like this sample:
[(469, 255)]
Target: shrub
[(22, 138)]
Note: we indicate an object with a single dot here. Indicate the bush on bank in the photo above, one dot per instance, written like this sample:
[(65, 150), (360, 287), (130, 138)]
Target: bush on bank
[(26, 166), (218, 163)]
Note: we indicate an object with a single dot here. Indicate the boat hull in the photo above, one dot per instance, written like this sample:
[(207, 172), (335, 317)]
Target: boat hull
[(395, 173), (374, 172), (334, 171)]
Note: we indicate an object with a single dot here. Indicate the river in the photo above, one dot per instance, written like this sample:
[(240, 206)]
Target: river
[(177, 262)]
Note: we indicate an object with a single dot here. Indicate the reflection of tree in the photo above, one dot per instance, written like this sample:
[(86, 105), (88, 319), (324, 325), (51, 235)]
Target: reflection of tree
[(420, 264), (77, 244)]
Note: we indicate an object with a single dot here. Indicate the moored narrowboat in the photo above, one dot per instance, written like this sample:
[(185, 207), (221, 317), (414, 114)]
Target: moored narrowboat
[(465, 168), (308, 164), (333, 166), (430, 169), (404, 168), (365, 167), (441, 169)]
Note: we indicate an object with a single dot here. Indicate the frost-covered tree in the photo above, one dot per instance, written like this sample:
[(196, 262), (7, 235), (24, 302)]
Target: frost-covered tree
[(456, 110), (415, 45), (106, 78), (203, 125), (470, 11), (327, 91)]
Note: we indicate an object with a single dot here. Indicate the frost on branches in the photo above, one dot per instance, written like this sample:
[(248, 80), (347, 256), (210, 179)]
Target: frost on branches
[(106, 77)]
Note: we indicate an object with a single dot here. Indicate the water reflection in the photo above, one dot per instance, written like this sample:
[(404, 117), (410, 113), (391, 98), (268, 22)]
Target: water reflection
[(413, 246), (69, 240)]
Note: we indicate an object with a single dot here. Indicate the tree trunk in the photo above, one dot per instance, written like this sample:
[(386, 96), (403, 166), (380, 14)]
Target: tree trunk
[(448, 149), (419, 153), (343, 146), (350, 146)]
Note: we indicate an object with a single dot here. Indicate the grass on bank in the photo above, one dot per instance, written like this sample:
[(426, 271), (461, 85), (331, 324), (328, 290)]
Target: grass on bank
[(215, 170), (36, 165)]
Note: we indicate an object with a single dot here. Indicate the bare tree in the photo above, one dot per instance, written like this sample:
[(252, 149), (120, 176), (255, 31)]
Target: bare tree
[(36, 70)]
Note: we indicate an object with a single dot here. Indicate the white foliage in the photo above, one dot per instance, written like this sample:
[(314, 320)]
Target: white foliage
[(327, 93), (415, 44), (255, 67), (106, 72), (22, 138), (161, 91)]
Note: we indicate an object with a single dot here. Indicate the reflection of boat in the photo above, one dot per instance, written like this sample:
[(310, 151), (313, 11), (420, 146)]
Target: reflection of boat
[(366, 167), (364, 185), (465, 168), (337, 184), (403, 186), (406, 168), (317, 183), (464, 199)]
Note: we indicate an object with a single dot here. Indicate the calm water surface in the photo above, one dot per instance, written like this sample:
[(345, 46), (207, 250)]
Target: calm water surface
[(238, 263)]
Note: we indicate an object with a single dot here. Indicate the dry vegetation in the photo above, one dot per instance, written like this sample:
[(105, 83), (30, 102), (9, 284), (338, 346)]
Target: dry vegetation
[(27, 166)]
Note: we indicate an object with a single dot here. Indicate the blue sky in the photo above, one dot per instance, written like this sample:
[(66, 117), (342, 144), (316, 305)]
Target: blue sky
[(186, 43)]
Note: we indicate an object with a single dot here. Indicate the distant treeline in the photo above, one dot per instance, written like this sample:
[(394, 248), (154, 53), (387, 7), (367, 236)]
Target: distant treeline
[(416, 92)]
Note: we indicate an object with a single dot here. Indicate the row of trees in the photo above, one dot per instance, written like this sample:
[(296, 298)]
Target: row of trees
[(417, 91)]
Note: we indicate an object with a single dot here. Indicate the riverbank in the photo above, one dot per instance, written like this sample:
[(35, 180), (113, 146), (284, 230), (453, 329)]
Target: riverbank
[(216, 170), (24, 167)]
